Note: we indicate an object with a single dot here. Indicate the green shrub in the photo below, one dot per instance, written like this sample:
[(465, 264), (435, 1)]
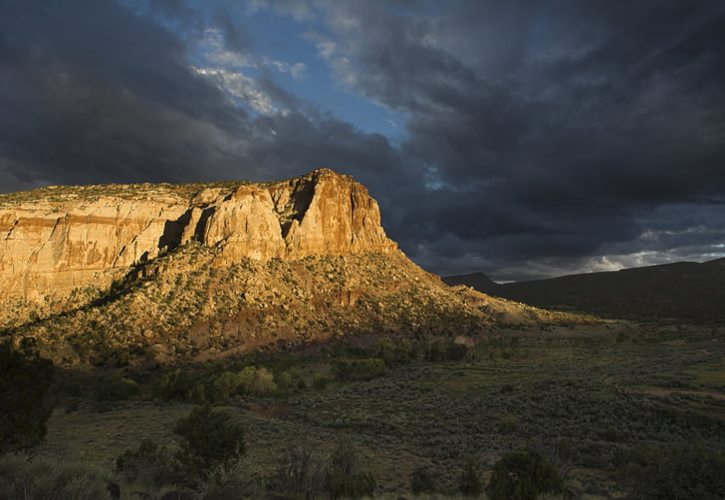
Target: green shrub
[(283, 381), (444, 350), (246, 377), (523, 475), (507, 423), (23, 407), (320, 382), (345, 476), (397, 352), (185, 386), (359, 369), (257, 381), (209, 438), (262, 382), (197, 393), (73, 389), (423, 480), (356, 351), (176, 384), (249, 380), (149, 464), (470, 483), (46, 478), (116, 389), (224, 386), (611, 434), (229, 483)]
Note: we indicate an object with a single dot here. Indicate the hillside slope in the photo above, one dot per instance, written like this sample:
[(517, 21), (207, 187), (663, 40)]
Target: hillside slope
[(684, 290)]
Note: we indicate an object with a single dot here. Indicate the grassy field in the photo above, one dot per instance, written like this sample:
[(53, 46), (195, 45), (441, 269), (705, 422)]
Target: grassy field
[(583, 396)]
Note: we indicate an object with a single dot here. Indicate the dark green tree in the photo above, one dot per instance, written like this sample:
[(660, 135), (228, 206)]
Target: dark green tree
[(149, 464), (523, 475), (24, 409), (301, 472), (209, 439), (345, 475), (423, 480)]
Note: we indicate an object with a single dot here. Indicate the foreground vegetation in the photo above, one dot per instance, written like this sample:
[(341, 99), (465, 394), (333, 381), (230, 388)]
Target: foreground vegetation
[(624, 410)]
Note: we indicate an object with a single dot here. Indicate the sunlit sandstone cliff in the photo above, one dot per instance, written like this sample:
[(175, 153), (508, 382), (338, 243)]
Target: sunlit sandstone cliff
[(161, 273), (52, 243)]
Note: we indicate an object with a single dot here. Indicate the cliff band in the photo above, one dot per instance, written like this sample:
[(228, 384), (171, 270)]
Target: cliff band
[(53, 244)]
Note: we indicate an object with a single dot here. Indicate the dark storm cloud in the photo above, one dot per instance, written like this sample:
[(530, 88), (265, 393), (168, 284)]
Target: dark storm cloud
[(561, 142), (92, 92), (540, 138)]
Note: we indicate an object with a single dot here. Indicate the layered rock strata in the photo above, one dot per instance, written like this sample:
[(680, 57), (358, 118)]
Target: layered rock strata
[(56, 241)]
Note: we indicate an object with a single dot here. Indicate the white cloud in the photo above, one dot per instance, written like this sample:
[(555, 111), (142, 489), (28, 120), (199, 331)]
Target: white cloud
[(326, 48), (228, 69), (217, 55), (296, 70), (241, 87), (214, 52), (329, 50)]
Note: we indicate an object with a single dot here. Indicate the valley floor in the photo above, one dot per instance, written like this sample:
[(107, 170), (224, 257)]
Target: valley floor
[(585, 397)]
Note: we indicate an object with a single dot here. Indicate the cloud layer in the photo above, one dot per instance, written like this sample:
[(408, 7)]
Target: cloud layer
[(538, 139)]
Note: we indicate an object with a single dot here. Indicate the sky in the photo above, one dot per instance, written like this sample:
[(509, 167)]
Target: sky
[(524, 139)]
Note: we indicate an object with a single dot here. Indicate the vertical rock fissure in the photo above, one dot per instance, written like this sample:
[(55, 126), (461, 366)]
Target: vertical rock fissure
[(352, 215), (173, 231), (291, 203)]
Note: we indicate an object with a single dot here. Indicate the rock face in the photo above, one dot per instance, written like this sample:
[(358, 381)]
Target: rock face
[(245, 225), (45, 250), (56, 241)]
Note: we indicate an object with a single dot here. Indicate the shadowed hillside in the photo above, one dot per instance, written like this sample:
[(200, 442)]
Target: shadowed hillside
[(684, 290)]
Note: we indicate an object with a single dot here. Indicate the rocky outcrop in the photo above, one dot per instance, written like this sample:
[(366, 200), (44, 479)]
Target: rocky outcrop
[(54, 241), (339, 217), (245, 225)]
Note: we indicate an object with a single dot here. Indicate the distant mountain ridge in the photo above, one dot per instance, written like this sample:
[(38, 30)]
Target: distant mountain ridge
[(683, 290), (478, 281)]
